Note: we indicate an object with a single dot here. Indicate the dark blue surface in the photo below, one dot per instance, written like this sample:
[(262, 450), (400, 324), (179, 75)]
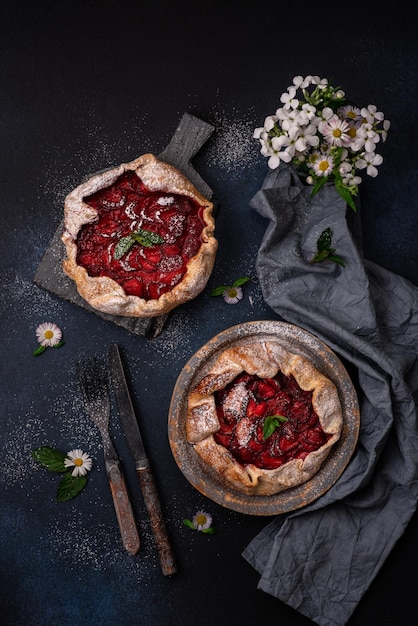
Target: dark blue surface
[(87, 85)]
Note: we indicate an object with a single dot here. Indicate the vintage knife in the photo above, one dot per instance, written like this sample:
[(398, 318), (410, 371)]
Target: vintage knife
[(146, 480)]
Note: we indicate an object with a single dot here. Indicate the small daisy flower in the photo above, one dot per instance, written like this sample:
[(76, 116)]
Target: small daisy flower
[(350, 113), (335, 132), (81, 462), (202, 520), (232, 295), (48, 334), (323, 165)]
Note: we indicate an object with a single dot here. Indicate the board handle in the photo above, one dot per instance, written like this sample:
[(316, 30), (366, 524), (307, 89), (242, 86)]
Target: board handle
[(188, 138)]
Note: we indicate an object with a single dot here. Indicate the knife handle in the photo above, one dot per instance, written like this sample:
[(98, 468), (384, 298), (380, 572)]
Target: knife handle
[(152, 504), (123, 508)]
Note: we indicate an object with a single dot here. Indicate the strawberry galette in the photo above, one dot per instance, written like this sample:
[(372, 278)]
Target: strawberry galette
[(139, 239), (262, 418)]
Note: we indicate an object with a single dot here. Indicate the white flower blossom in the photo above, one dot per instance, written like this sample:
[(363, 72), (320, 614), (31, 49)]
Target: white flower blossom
[(81, 462), (335, 131), (323, 164), (369, 162), (318, 129), (48, 334), (202, 520)]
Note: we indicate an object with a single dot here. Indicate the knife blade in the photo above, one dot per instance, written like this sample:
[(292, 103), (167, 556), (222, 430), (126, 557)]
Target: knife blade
[(133, 438)]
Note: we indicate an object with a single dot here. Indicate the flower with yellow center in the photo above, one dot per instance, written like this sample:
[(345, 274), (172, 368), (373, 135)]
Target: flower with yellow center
[(323, 165), (335, 131), (202, 520), (232, 295), (80, 461), (48, 334)]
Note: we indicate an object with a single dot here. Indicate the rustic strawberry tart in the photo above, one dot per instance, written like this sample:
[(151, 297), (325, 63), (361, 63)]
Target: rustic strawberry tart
[(264, 419), (139, 239)]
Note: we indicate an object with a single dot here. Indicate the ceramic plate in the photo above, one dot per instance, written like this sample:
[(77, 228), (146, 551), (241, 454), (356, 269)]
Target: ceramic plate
[(204, 479)]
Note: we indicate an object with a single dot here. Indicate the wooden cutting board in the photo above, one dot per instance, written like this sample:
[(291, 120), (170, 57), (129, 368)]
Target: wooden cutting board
[(188, 138)]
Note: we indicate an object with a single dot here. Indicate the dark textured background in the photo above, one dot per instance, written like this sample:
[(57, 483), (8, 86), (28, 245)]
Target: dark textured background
[(87, 85)]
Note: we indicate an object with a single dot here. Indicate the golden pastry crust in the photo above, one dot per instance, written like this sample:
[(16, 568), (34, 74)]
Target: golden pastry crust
[(263, 359), (105, 294)]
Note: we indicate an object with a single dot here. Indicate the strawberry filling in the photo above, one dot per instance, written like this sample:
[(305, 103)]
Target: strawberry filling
[(243, 407), (128, 207)]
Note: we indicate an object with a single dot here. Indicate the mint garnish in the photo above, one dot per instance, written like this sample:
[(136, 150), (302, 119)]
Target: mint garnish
[(324, 250), (145, 238), (271, 423)]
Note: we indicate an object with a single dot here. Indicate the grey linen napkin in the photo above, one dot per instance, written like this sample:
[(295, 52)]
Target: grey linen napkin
[(322, 558)]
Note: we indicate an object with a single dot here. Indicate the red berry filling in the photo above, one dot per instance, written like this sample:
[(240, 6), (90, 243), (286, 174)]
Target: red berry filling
[(242, 408), (126, 207)]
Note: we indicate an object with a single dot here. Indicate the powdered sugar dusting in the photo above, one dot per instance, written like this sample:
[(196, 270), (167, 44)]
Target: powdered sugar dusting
[(234, 148), (42, 303), (235, 402)]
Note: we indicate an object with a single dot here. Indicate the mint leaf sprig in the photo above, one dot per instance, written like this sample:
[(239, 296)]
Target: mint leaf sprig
[(145, 238), (60, 463), (325, 251), (219, 291), (272, 422)]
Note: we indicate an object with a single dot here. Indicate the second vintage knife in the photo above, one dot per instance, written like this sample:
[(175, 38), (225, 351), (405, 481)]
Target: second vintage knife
[(146, 480)]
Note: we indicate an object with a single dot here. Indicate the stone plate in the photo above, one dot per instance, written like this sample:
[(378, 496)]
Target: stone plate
[(208, 482)]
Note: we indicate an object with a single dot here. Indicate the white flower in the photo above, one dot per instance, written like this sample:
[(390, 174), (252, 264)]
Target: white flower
[(369, 161), (314, 115), (306, 137), (386, 126), (349, 112), (48, 334), (323, 164), (232, 295), (81, 462), (202, 520), (288, 99), (335, 131)]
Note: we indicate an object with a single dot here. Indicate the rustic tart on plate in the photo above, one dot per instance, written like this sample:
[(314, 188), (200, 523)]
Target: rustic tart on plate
[(139, 239), (263, 418)]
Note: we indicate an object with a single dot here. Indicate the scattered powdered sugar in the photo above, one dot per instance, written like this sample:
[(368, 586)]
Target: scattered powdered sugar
[(233, 148), (36, 302), (176, 339), (91, 542), (165, 201), (16, 463), (235, 402), (244, 431)]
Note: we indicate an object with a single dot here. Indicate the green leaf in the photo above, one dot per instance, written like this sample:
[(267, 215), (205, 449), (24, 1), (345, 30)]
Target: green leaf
[(324, 240), (325, 251), (241, 281), (124, 244), (337, 259), (320, 182), (39, 350), (147, 238), (272, 422), (189, 524), (218, 291), (59, 345), (209, 531), (70, 486), (345, 194), (52, 459)]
